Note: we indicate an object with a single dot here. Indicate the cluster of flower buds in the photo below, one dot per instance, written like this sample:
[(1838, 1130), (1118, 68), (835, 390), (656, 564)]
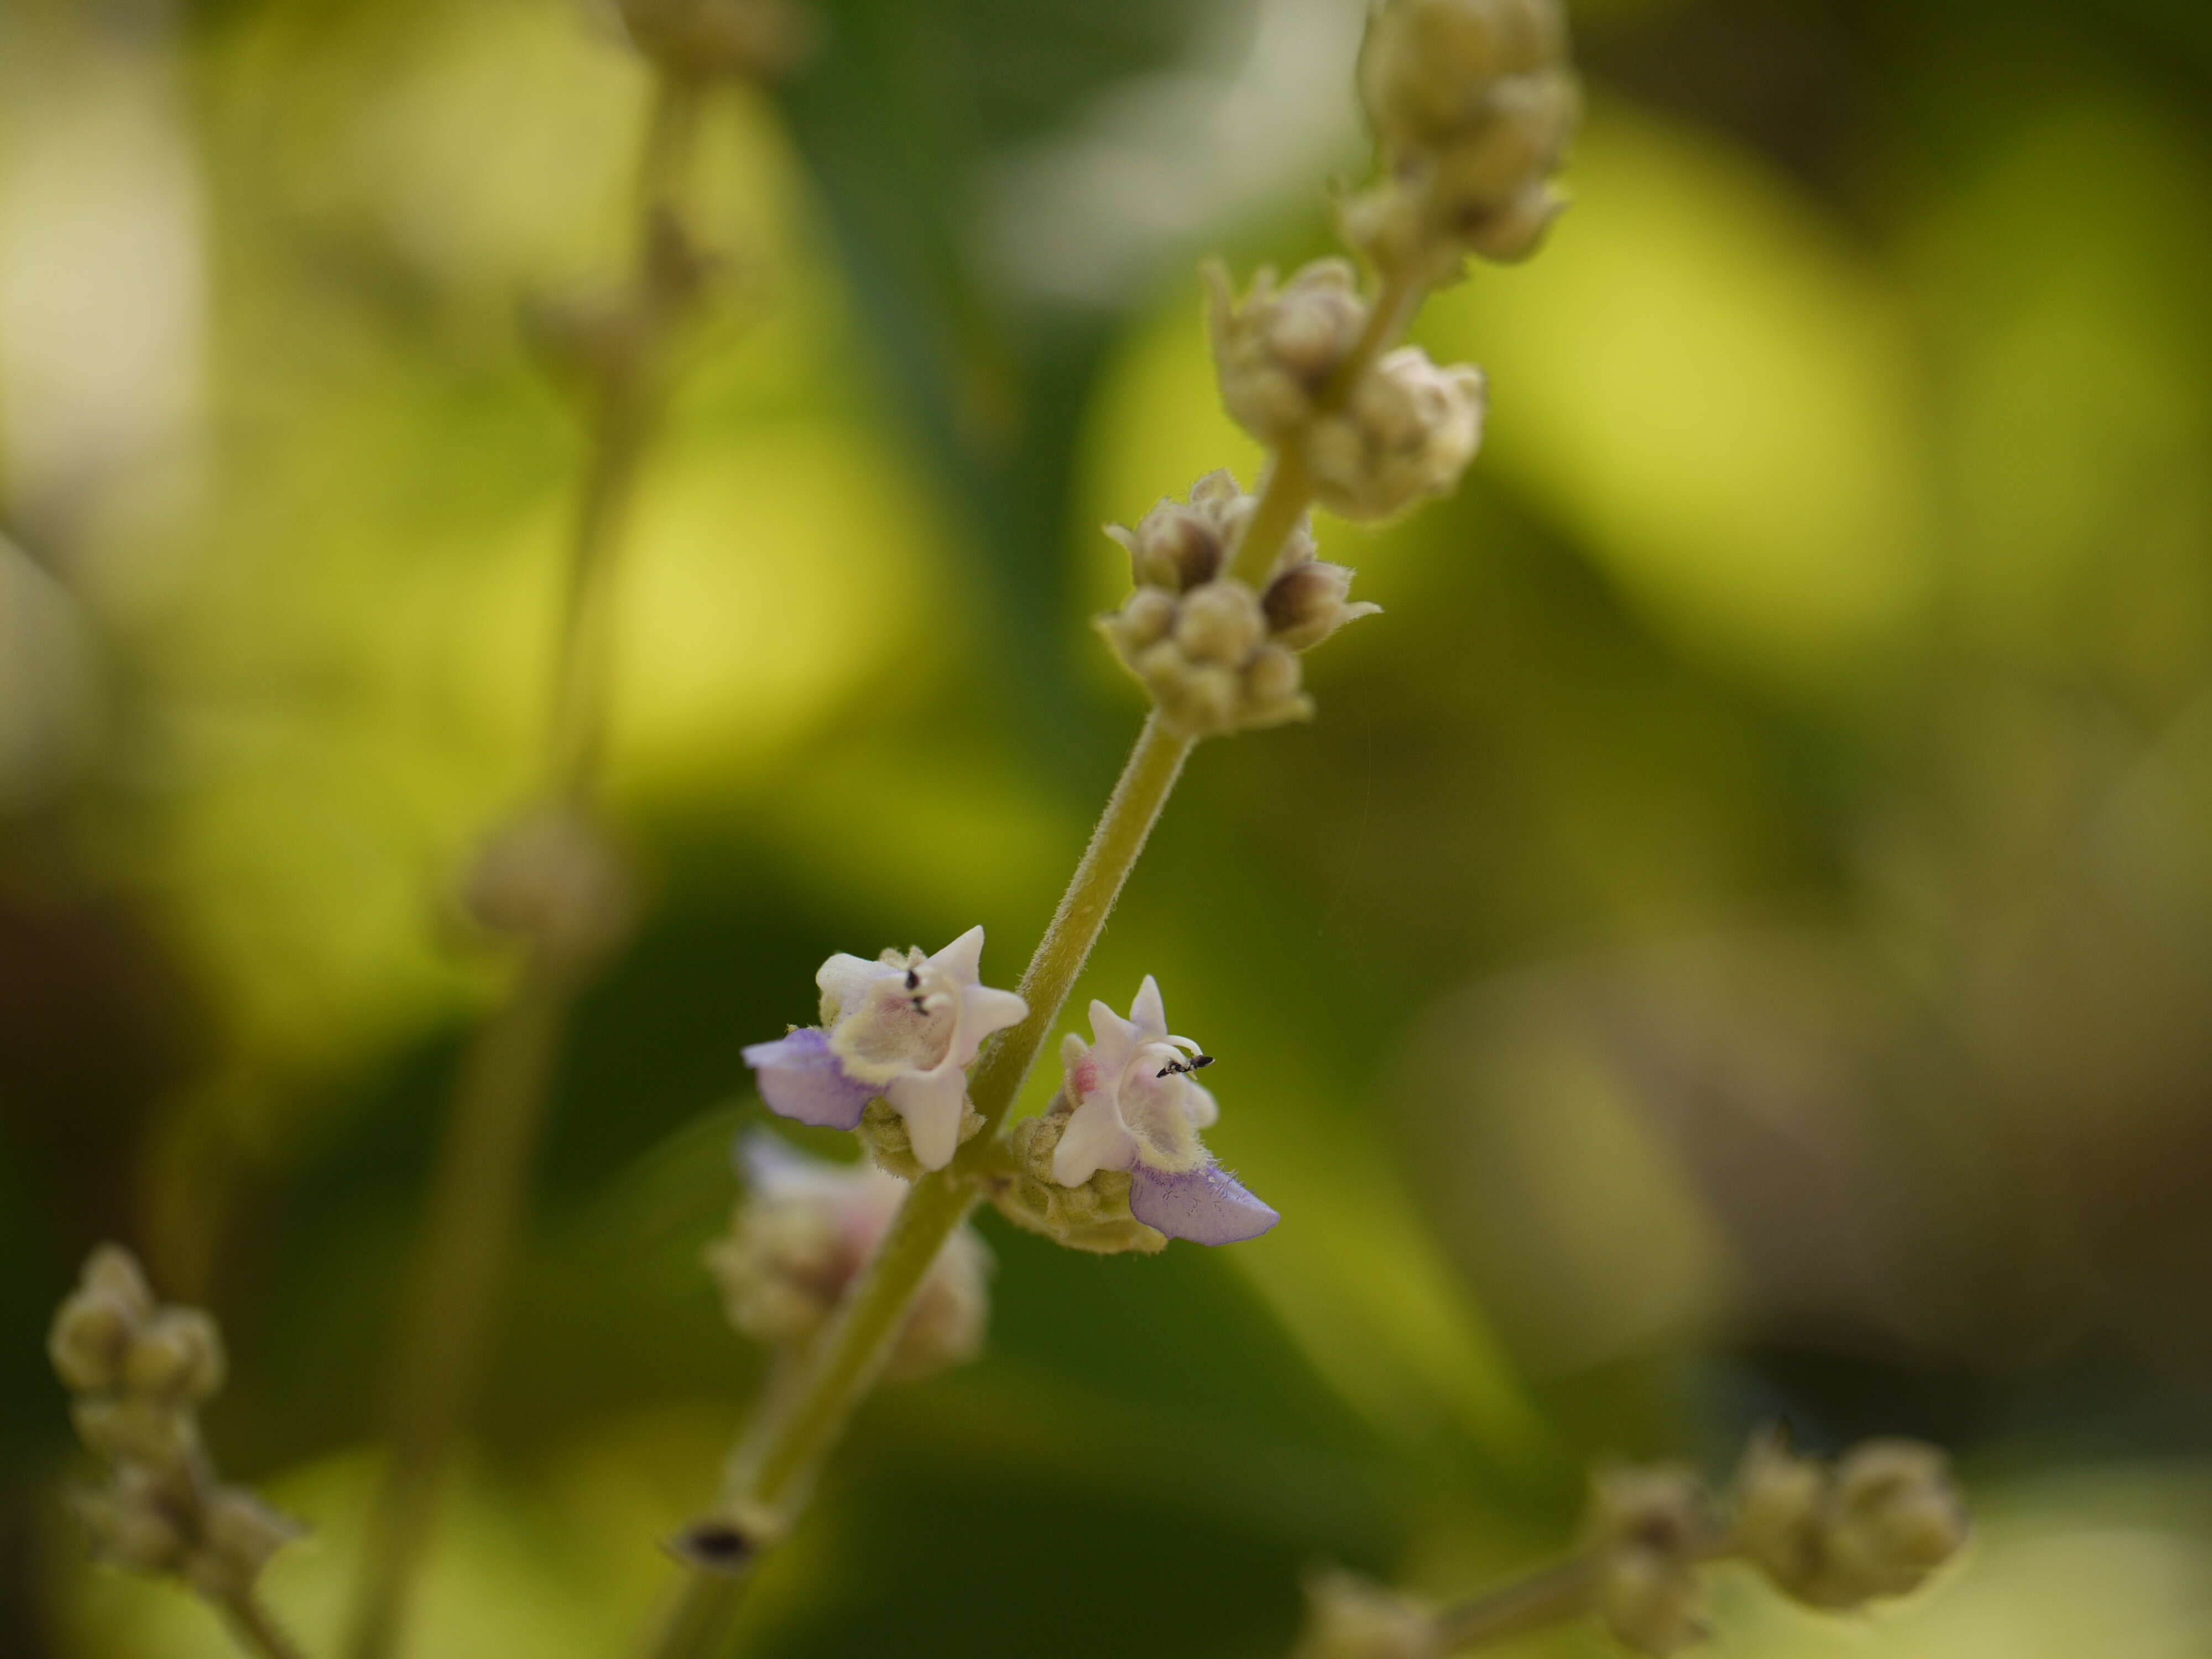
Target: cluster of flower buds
[(1649, 1530), (1877, 1523), (1473, 103), (1215, 656), (1348, 1617), (139, 1374), (1398, 431), (903, 1030), (550, 876), (1117, 1162), (801, 1235), (705, 39)]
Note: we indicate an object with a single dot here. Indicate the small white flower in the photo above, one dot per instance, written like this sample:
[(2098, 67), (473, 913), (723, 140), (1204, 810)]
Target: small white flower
[(1136, 1107), (904, 1027)]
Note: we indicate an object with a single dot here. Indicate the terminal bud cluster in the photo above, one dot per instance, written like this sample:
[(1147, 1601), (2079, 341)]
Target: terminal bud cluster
[(138, 1373)]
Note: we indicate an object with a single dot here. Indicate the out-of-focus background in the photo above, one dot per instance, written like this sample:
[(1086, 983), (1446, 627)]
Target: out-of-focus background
[(1737, 941)]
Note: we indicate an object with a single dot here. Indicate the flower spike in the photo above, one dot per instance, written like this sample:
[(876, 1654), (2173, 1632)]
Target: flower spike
[(904, 1028)]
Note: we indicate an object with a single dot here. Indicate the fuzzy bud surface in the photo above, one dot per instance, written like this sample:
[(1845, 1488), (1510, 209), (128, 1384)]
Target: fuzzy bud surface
[(1405, 433)]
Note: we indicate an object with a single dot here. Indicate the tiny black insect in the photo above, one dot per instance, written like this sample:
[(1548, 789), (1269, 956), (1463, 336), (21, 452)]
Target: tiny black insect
[(1196, 1063)]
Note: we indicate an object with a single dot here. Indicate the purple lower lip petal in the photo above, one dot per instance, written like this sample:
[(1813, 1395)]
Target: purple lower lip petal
[(800, 1078), (1206, 1206)]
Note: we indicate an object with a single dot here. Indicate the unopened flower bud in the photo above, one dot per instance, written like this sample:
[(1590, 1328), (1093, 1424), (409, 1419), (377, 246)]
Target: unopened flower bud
[(115, 1271), (1513, 228), (91, 1334), (133, 1429), (1213, 672), (1650, 1600), (1220, 623), (1092, 1215), (1277, 349), (127, 1531), (1309, 601), (1347, 1617), (1520, 138), (1898, 1517), (1179, 544), (1406, 433), (552, 876), (1475, 104), (1877, 1524), (1648, 1529), (178, 1357), (1426, 67)]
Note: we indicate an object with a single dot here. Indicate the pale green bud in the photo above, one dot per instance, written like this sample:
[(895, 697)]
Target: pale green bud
[(179, 1356), (889, 1143), (1877, 1524), (1406, 433), (1428, 67), (1650, 1600), (91, 1335), (134, 1429), (1093, 1216), (1277, 349), (1648, 1529), (552, 876), (1309, 601), (127, 1528), (1220, 623), (1179, 544), (113, 1270)]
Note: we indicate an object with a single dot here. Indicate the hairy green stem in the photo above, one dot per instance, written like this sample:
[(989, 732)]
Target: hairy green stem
[(257, 1631), (497, 1112), (1559, 1591), (1153, 766)]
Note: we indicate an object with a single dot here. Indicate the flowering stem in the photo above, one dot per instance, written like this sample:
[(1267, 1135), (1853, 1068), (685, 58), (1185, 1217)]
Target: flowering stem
[(499, 1101), (1153, 766), (776, 1460), (1287, 490), (1559, 1591), (257, 1632)]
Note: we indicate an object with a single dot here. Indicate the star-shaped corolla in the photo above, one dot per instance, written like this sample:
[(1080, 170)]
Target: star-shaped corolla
[(1136, 1107), (905, 1027)]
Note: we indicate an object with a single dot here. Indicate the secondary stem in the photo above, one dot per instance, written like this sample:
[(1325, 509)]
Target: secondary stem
[(498, 1107), (256, 1630), (1153, 766), (1559, 1591)]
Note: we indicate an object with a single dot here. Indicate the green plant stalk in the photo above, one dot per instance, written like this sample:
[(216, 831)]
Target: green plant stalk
[(1559, 1591), (257, 1632), (498, 1108)]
